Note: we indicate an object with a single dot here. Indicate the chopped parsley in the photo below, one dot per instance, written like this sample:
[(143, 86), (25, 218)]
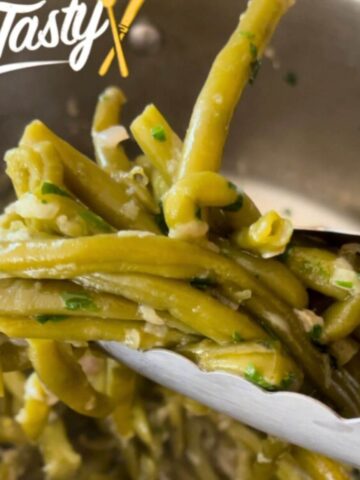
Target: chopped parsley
[(45, 318), (95, 222), (236, 337), (291, 79), (287, 212), (248, 35), (158, 133), (49, 188), (202, 283), (253, 50), (160, 221), (254, 71), (254, 376), (344, 284), (78, 301), (315, 333), (232, 186), (236, 206)]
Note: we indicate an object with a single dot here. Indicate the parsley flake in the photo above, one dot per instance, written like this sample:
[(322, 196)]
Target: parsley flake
[(78, 301), (291, 79), (344, 284), (45, 318), (237, 338), (49, 188), (253, 375), (315, 333), (158, 133), (95, 222), (236, 206)]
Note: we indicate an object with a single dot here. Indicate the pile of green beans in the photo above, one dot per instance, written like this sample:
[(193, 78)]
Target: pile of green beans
[(162, 251)]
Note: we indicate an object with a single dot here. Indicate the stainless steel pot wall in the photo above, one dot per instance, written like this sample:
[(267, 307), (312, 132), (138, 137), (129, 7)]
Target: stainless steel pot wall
[(305, 136)]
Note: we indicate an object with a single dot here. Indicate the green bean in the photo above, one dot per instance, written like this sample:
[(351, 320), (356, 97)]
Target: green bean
[(159, 185), (46, 298), (268, 236), (66, 258), (205, 317), (320, 467), (61, 460), (315, 268), (272, 273), (288, 468), (263, 363), (30, 166), (82, 329), (227, 79), (344, 350), (93, 186), (35, 412), (122, 389), (341, 319), (158, 141), (244, 217), (70, 383), (107, 114)]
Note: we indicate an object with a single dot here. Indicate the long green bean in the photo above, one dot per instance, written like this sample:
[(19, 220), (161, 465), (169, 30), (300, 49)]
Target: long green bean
[(341, 319), (92, 185), (230, 73)]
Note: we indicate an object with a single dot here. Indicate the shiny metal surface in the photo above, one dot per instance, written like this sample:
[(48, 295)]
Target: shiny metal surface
[(331, 237), (291, 416), (305, 137)]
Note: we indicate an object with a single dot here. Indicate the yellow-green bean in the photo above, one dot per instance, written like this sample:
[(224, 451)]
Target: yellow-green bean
[(46, 298), (132, 334), (107, 114), (69, 383), (35, 412), (227, 79), (272, 273), (268, 236), (320, 467), (92, 185), (263, 363), (30, 166), (61, 460), (315, 268), (158, 141), (188, 305), (183, 202), (122, 388), (341, 319)]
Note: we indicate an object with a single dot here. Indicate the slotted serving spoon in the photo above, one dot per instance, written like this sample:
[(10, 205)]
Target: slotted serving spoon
[(294, 417)]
